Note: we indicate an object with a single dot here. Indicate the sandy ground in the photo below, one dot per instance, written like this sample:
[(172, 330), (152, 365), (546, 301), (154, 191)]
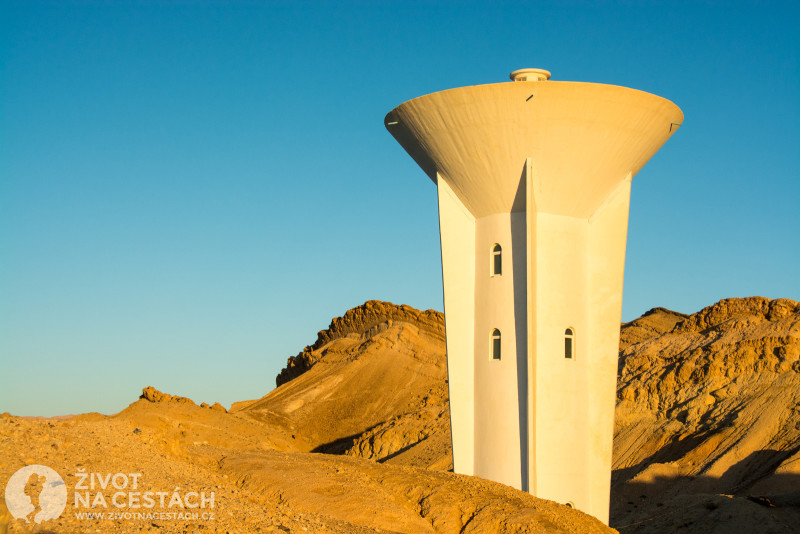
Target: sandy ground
[(257, 488)]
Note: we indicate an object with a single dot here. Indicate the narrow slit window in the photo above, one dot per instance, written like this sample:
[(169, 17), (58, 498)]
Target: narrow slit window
[(495, 344), (497, 260), (569, 343)]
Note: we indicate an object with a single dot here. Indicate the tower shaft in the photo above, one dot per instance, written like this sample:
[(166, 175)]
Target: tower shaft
[(533, 214)]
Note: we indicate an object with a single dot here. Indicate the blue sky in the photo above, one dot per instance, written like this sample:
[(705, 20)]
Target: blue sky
[(190, 191)]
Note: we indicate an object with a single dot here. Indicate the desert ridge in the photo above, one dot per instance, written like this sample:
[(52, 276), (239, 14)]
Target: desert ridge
[(356, 437)]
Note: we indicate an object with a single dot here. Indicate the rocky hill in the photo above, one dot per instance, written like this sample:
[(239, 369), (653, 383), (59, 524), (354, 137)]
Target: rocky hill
[(707, 411), (707, 407), (373, 385)]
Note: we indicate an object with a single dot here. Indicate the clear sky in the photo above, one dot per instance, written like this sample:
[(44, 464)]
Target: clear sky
[(190, 191)]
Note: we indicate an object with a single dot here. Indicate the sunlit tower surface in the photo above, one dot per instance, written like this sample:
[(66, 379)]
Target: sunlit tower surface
[(534, 179)]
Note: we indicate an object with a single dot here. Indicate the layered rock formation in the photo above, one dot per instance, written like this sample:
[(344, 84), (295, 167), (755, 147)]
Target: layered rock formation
[(361, 320)]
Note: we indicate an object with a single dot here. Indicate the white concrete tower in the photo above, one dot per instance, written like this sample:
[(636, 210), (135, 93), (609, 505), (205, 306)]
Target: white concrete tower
[(534, 178)]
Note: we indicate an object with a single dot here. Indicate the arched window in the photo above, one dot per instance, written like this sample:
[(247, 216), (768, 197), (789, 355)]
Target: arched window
[(569, 343), (497, 260), (495, 344)]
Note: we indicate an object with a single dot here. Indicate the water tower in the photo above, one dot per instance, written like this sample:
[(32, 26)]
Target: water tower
[(534, 179)]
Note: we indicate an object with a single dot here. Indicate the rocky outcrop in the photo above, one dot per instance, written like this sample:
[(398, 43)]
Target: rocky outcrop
[(727, 344), (151, 394), (216, 406), (652, 323), (710, 407), (737, 313), (362, 318), (365, 320)]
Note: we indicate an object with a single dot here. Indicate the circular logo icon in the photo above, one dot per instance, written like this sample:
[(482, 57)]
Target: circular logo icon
[(36, 493)]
